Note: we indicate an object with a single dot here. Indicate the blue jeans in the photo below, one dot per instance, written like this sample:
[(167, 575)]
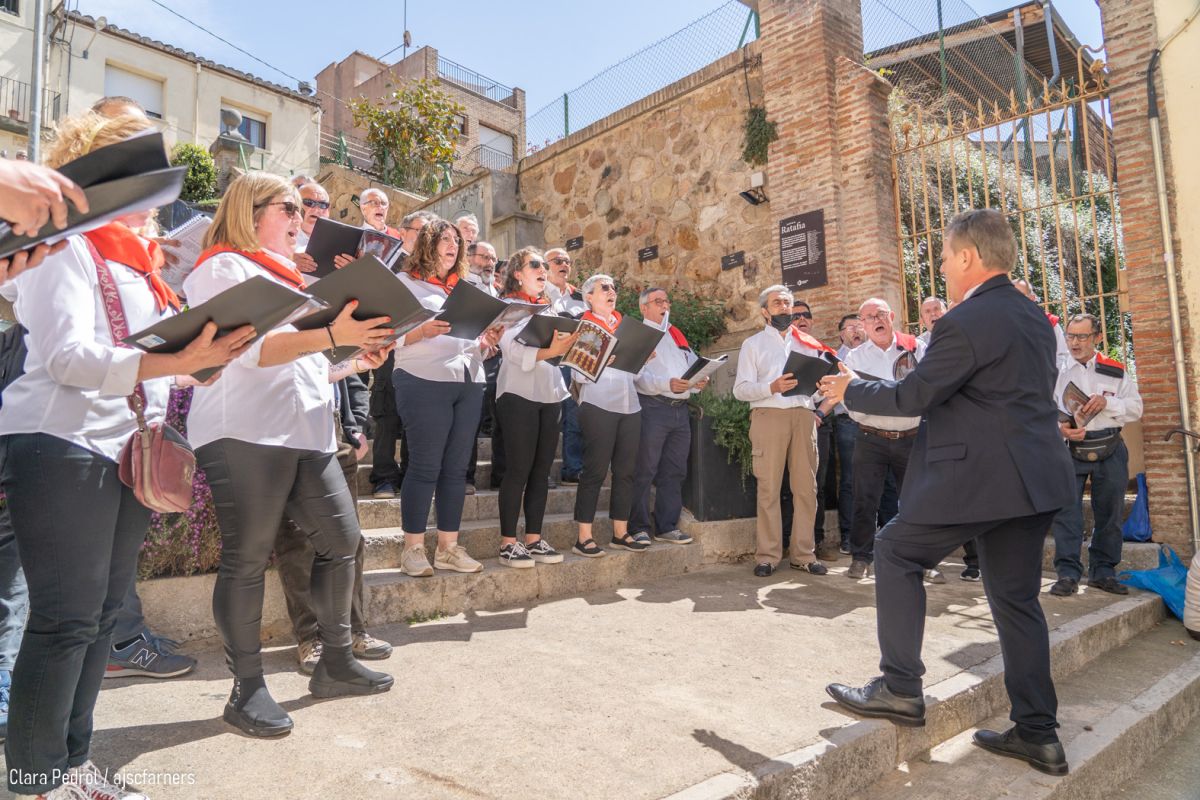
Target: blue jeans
[(80, 558), (440, 421), (14, 594), (1109, 479), (845, 430), (572, 441), (662, 461)]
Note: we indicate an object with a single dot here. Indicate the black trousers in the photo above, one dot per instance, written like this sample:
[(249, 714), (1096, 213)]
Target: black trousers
[(294, 558), (384, 469), (533, 435), (490, 425), (253, 486), (609, 439), (80, 554), (1010, 553), (873, 457)]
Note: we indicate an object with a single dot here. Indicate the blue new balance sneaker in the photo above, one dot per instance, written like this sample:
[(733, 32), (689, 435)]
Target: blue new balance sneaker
[(148, 656)]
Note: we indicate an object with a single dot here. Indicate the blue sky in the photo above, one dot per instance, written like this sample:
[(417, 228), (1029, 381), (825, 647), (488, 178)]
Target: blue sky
[(544, 46)]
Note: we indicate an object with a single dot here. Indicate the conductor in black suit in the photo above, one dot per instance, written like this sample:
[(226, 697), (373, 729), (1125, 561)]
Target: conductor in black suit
[(988, 464)]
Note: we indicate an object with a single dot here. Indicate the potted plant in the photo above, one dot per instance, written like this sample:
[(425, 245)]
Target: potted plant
[(719, 482)]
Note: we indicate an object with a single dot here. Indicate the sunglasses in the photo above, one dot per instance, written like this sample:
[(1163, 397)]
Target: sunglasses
[(607, 287), (289, 208), (535, 263), (802, 315), (310, 203)]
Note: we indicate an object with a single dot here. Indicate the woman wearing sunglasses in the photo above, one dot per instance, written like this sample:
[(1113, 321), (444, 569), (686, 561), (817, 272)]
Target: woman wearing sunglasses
[(610, 419), (264, 436), (529, 395)]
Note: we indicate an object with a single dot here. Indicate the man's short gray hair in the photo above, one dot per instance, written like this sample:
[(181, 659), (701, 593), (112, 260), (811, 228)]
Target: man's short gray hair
[(410, 218), (1090, 318), (989, 233), (591, 282), (470, 219), (373, 191), (766, 294), (879, 301), (934, 299), (555, 250), (649, 290), (473, 248)]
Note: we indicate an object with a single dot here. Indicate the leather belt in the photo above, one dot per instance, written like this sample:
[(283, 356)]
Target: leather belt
[(893, 435), (670, 401)]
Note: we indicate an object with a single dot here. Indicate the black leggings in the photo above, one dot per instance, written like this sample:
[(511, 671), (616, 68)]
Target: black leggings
[(253, 485), (531, 439), (609, 439)]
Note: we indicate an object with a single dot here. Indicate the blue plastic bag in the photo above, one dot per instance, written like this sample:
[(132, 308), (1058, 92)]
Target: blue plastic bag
[(1137, 527), (1169, 580)]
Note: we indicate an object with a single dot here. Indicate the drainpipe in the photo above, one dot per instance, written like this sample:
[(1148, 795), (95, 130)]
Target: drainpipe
[(196, 110), (37, 80), (1164, 214)]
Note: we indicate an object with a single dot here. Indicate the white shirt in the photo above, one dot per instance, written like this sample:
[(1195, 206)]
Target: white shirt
[(76, 379), (301, 240), (561, 301), (479, 282), (670, 361), (1062, 354), (842, 352), (760, 362), (869, 358), (442, 358), (289, 405), (1123, 403), (523, 375), (925, 337)]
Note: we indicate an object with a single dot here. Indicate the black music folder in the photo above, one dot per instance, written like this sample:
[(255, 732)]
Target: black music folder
[(119, 179), (379, 294), (259, 301), (635, 342), (471, 311), (808, 370), (540, 331), (332, 238)]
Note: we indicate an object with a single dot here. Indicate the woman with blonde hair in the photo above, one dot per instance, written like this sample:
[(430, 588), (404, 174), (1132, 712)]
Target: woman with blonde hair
[(62, 427), (439, 385), (264, 436)]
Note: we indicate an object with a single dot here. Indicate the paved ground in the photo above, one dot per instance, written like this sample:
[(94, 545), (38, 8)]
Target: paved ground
[(1174, 774), (633, 693)]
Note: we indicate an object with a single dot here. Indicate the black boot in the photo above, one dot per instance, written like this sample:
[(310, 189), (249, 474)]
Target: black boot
[(339, 673), (252, 710)]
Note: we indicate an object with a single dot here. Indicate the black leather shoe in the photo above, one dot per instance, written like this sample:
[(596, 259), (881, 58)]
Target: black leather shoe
[(764, 570), (876, 700), (1047, 758), (1064, 587), (1108, 584)]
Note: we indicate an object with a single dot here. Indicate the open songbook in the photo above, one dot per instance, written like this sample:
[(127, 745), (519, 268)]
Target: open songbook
[(1073, 400), (702, 368)]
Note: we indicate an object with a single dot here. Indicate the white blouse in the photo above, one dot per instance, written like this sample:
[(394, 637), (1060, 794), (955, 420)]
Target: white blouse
[(442, 358), (76, 378), (523, 375), (289, 405)]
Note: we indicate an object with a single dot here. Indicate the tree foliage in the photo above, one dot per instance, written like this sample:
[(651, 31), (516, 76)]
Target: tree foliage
[(200, 183), (412, 133)]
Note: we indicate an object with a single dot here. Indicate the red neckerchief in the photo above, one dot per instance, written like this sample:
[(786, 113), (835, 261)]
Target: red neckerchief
[(116, 242), (446, 286), (611, 329), (677, 336), (527, 298), (1053, 319), (272, 265), (811, 342), (906, 341)]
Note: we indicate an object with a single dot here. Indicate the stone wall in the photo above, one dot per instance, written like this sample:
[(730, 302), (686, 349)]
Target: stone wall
[(345, 185)]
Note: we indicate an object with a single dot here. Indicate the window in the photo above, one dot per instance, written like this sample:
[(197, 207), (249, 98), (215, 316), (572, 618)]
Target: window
[(148, 92), (496, 148), (11, 6), (460, 124), (253, 127)]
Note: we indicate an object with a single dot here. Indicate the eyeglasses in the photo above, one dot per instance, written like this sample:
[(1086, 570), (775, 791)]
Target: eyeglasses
[(486, 259), (661, 301), (289, 208), (380, 203), (1079, 337), (882, 316), (606, 287), (560, 261), (802, 315), (310, 203)]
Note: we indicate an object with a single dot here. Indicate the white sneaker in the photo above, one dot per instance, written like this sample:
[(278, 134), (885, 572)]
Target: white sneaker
[(455, 558), (68, 791), (95, 785), (414, 562)]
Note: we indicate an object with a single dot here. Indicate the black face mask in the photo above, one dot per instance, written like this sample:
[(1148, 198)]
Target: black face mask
[(781, 322)]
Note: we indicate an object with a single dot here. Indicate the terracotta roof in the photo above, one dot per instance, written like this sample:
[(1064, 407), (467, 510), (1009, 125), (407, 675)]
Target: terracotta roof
[(193, 58)]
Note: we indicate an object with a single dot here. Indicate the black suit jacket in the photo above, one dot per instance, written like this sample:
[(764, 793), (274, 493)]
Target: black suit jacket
[(988, 447)]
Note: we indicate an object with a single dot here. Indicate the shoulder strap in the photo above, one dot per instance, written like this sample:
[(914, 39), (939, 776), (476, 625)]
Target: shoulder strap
[(118, 327)]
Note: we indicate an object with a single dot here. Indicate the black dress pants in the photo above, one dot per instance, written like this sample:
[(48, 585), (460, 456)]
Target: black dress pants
[(873, 457), (1010, 554), (609, 440), (533, 439)]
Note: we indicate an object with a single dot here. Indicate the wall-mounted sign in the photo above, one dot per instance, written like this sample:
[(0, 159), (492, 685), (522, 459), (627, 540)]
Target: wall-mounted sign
[(802, 250), (733, 260), (648, 254), (575, 244)]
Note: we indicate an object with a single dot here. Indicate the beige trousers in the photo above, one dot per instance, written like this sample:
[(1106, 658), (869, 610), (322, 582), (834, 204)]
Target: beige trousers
[(785, 437)]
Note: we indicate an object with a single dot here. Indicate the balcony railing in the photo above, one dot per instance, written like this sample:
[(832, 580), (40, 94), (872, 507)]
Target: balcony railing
[(491, 158), (473, 81), (16, 104)]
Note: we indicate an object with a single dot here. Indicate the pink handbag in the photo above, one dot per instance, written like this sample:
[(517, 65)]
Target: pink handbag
[(156, 462)]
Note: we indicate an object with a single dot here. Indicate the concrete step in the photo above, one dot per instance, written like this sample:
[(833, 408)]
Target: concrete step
[(861, 752), (484, 450), (1134, 556), (483, 475), (1115, 715), (480, 537), (483, 505)]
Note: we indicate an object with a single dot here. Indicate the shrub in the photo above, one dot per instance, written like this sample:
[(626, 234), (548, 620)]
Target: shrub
[(730, 420), (200, 183)]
